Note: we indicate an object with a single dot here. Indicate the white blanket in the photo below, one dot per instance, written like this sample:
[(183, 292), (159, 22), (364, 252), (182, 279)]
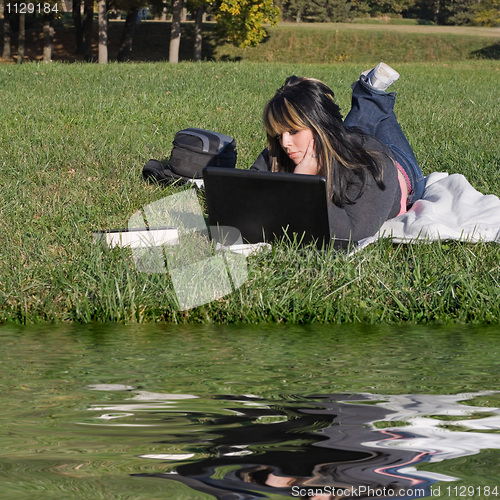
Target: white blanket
[(450, 209)]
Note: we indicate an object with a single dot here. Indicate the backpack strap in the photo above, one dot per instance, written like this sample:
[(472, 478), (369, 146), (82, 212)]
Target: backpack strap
[(201, 134), (224, 140)]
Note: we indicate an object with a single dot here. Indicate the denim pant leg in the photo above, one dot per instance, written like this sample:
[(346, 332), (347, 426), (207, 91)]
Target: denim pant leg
[(372, 111)]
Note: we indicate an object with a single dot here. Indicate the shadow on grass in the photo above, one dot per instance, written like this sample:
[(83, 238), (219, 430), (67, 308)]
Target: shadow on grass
[(158, 35), (490, 52)]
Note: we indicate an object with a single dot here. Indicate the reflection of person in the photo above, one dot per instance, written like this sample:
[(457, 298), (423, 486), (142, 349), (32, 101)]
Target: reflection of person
[(321, 448), (314, 487), (371, 170)]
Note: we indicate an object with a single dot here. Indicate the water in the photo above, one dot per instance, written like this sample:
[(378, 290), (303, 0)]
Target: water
[(146, 412)]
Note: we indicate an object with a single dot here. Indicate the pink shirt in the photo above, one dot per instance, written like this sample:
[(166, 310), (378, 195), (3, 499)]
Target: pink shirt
[(404, 184)]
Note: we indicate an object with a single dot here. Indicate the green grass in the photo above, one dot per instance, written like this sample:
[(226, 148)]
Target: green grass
[(73, 141)]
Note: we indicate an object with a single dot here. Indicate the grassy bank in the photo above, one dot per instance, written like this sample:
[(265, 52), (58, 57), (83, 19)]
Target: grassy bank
[(362, 44), (73, 142)]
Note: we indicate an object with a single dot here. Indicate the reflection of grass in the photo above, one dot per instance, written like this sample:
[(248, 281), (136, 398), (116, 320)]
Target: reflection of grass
[(487, 400), (471, 416), (74, 140), (386, 424)]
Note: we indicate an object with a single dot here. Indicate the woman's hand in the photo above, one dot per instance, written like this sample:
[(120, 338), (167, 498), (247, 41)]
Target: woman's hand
[(309, 163)]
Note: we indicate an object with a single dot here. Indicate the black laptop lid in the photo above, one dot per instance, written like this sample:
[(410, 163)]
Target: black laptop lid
[(264, 206)]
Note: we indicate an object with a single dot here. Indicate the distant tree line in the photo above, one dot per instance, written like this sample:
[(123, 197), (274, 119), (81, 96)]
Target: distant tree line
[(445, 12), (240, 22)]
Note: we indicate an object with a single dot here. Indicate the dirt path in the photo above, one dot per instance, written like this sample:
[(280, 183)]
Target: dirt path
[(420, 29)]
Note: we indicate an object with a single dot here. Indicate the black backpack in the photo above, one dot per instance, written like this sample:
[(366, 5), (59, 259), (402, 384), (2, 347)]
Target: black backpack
[(194, 149)]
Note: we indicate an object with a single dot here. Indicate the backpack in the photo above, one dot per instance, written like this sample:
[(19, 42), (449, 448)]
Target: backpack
[(194, 149)]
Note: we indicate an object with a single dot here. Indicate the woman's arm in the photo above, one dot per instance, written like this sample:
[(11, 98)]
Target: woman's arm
[(364, 217), (262, 163)]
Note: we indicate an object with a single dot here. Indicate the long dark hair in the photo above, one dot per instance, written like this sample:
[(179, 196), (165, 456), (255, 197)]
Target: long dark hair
[(307, 103)]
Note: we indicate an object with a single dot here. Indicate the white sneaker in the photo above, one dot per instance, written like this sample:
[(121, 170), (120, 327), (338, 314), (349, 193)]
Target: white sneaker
[(381, 76)]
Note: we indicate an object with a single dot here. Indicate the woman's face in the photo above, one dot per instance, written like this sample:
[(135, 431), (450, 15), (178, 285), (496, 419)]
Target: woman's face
[(295, 143)]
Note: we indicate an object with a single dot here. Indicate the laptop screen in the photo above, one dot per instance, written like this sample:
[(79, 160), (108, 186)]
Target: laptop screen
[(265, 206)]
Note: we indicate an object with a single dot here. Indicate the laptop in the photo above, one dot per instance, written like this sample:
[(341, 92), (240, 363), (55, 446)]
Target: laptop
[(266, 206)]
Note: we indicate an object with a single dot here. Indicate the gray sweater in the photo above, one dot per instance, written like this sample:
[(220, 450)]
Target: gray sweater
[(364, 217)]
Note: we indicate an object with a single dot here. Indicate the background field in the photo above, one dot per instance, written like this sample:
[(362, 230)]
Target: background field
[(73, 142)]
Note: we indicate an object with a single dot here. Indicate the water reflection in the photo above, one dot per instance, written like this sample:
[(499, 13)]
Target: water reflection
[(323, 447)]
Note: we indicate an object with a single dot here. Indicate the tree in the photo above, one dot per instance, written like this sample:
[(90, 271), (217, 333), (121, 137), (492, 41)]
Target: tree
[(175, 31), (457, 12), (7, 54), (198, 8), (77, 23), (374, 8), (88, 21), (294, 9), (242, 21), (125, 49), (239, 21), (48, 37), (103, 32), (131, 7), (388, 7), (316, 10), (486, 13), (338, 11), (198, 35), (83, 27), (21, 44)]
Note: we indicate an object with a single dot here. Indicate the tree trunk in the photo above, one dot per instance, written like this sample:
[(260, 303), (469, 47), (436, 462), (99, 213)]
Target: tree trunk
[(48, 38), (436, 11), (21, 44), (198, 36), (77, 22), (125, 50), (7, 55), (88, 20), (103, 32), (175, 31)]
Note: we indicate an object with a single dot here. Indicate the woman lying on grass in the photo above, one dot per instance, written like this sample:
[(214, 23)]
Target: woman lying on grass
[(371, 170)]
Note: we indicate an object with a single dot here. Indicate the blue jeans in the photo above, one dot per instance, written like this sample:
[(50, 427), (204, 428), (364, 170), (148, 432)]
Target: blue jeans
[(372, 111)]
